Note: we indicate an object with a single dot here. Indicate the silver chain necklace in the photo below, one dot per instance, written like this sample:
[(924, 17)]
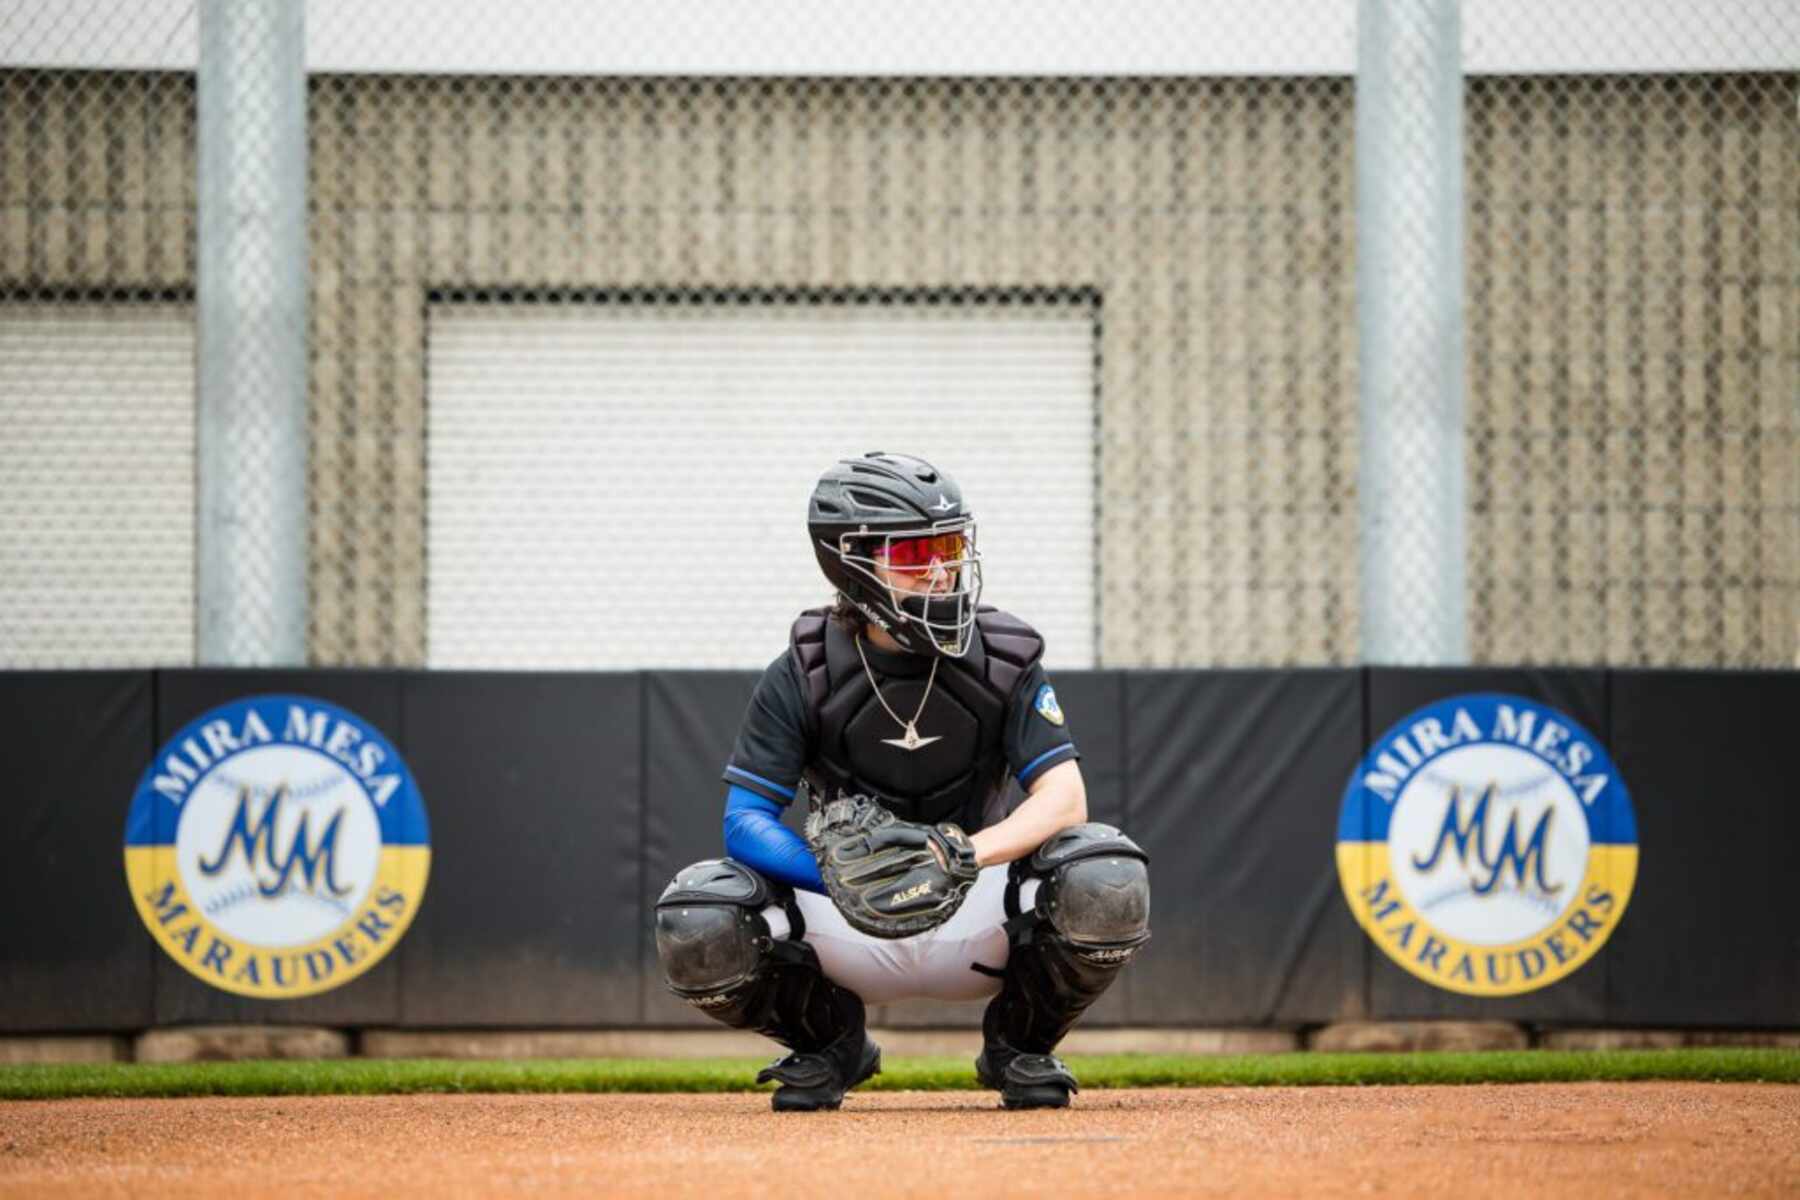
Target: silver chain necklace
[(910, 740)]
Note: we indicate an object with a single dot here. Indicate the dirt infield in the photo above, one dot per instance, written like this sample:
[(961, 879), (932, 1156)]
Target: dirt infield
[(1559, 1139)]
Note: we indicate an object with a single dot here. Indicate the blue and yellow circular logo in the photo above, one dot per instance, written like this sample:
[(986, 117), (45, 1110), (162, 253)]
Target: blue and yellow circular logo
[(277, 847), (1487, 845)]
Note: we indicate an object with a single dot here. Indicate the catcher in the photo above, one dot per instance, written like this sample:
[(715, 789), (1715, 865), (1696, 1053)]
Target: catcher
[(900, 715)]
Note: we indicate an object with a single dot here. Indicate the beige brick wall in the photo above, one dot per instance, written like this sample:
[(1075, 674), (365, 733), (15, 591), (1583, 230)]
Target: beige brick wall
[(1633, 345), (1634, 370), (1214, 217)]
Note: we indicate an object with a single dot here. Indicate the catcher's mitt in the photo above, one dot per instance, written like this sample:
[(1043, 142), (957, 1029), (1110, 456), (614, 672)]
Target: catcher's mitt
[(881, 871)]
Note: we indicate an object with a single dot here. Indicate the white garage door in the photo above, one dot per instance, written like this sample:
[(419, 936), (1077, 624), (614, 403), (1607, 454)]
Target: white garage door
[(96, 485), (613, 488)]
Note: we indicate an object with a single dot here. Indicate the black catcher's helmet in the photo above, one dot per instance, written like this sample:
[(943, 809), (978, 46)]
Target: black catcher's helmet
[(903, 512)]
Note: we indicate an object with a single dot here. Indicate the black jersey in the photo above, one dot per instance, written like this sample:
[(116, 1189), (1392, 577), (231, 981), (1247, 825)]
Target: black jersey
[(989, 718)]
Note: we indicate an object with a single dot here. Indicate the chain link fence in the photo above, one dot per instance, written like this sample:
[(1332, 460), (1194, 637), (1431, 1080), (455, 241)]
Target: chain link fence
[(1634, 354), (1151, 228)]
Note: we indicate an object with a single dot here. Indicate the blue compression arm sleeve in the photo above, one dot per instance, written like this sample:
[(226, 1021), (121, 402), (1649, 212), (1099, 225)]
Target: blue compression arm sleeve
[(755, 836)]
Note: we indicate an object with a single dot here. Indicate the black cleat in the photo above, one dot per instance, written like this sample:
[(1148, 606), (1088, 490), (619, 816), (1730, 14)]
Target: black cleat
[(817, 1081), (1029, 1080)]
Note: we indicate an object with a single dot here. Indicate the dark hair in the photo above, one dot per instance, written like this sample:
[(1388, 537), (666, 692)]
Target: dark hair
[(846, 615)]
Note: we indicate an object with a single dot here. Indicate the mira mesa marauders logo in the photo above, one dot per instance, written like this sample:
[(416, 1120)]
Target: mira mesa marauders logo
[(1487, 845), (277, 847)]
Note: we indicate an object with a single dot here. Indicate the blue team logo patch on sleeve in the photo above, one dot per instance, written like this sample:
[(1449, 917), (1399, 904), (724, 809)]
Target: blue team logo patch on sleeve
[(1046, 705)]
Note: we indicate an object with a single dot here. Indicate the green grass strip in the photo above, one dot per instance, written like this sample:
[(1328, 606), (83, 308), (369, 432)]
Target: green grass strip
[(343, 1077)]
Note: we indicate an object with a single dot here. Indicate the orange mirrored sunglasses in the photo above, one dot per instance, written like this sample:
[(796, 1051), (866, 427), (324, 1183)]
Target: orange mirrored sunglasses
[(922, 551)]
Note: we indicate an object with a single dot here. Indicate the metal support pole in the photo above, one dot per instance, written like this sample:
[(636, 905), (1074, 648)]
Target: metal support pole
[(1409, 245), (252, 296)]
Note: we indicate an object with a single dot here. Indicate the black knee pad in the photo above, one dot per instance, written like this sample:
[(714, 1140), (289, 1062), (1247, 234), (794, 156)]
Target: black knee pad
[(710, 932), (719, 955), (1091, 914), (1095, 894)]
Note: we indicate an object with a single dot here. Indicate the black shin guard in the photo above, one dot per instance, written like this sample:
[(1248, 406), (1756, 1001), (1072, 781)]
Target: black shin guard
[(1043, 993), (718, 955), (1091, 915), (791, 1001)]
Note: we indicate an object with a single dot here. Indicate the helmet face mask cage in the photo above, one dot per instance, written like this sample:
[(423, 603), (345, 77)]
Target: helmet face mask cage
[(940, 622)]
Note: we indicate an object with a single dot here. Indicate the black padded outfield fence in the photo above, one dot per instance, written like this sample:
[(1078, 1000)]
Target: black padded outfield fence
[(560, 803)]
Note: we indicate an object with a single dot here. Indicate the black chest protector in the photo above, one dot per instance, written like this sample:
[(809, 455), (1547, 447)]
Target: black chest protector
[(857, 746)]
